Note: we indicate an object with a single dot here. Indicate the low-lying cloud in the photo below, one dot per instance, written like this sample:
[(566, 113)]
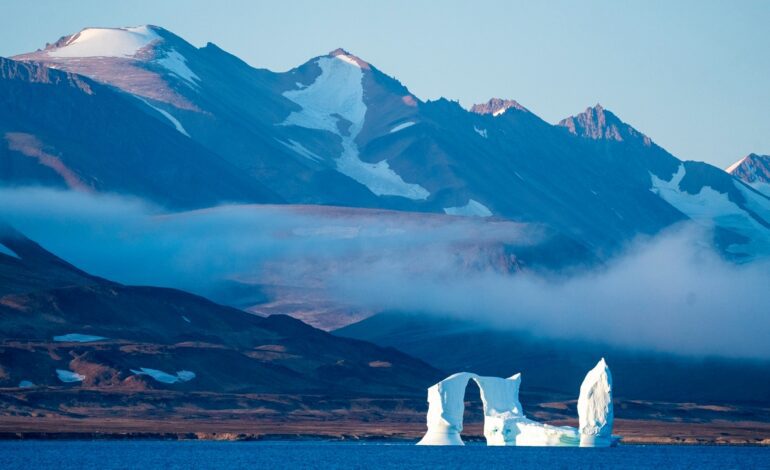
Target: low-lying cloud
[(670, 293)]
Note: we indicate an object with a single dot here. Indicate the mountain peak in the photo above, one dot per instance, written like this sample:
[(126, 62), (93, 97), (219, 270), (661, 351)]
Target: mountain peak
[(346, 56), (598, 123), (105, 42), (752, 168), (497, 106)]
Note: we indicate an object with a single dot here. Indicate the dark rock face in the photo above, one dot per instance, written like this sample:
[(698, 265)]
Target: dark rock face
[(597, 123), (752, 168), (497, 106)]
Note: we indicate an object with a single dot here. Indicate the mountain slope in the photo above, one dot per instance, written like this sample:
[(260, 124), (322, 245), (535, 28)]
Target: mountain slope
[(638, 375), (64, 328), (61, 129), (336, 130), (753, 170)]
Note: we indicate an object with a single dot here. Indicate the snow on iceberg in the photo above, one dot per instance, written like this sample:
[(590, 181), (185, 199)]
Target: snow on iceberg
[(504, 421), (67, 376), (164, 377), (77, 338)]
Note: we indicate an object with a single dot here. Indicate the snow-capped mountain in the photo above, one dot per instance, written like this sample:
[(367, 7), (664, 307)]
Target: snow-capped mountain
[(754, 170), (336, 130)]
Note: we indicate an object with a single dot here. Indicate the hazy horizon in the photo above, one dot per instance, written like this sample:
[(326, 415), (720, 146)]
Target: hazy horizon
[(688, 74)]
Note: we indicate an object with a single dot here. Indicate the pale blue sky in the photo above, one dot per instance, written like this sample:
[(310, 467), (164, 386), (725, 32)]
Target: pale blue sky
[(693, 75)]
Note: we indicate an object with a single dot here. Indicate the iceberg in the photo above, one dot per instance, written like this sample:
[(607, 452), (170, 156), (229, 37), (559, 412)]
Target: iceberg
[(505, 423)]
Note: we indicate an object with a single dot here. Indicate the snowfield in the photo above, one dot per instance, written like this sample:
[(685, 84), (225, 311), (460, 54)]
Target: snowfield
[(176, 63), (338, 93), (710, 207), (164, 377), (472, 209), (77, 338), (67, 376), (106, 42), (402, 126)]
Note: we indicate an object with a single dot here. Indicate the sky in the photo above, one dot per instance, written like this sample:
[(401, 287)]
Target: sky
[(693, 75)]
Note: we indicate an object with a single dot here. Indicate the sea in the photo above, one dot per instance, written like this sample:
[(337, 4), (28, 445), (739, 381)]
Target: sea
[(167, 455)]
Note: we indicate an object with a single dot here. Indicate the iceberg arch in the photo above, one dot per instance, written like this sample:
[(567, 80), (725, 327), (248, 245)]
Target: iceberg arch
[(504, 421)]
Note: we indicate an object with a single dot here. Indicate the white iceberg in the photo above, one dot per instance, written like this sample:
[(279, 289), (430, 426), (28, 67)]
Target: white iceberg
[(504, 421)]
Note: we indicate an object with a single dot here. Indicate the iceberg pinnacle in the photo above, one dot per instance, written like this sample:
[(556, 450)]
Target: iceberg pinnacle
[(504, 421), (595, 407)]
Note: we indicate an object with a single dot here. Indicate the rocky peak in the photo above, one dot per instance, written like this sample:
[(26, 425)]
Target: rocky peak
[(497, 106), (601, 124), (752, 168)]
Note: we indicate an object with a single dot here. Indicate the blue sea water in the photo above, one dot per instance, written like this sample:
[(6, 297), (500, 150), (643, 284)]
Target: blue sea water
[(268, 455)]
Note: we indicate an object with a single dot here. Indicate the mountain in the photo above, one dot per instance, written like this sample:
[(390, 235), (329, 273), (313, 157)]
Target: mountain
[(638, 375), (336, 130), (754, 170), (65, 130), (64, 329)]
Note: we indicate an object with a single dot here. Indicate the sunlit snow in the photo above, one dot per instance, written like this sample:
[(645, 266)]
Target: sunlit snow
[(338, 92), (106, 42)]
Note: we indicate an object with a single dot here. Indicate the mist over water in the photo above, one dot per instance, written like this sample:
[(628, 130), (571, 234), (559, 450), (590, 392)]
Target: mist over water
[(671, 293)]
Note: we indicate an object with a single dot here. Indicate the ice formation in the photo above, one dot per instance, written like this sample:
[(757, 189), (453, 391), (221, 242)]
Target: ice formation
[(504, 421)]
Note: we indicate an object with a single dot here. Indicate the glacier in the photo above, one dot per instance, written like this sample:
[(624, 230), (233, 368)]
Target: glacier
[(505, 423)]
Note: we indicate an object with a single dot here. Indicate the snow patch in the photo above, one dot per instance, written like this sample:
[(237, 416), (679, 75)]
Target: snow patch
[(338, 93), (78, 338), (164, 377), (174, 121), (402, 126), (481, 132), (26, 384), (186, 319), (106, 42), (710, 207), (176, 63), (300, 149), (7, 251), (472, 209), (499, 112), (67, 376)]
